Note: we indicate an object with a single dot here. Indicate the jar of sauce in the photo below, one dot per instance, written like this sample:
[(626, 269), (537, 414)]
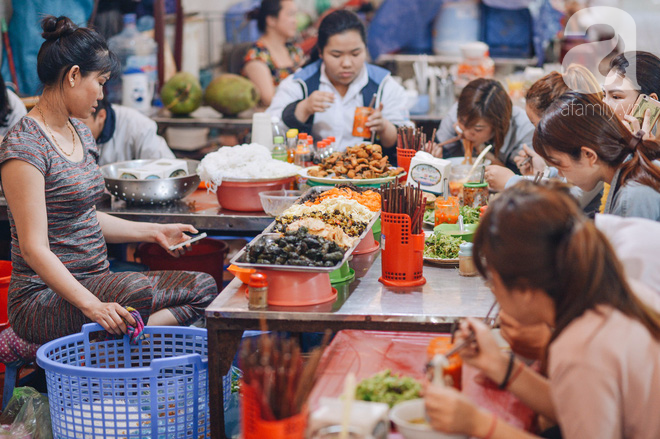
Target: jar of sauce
[(257, 291), (446, 210), (475, 194)]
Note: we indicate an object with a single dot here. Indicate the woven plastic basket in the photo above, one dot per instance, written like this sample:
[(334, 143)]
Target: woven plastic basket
[(111, 389)]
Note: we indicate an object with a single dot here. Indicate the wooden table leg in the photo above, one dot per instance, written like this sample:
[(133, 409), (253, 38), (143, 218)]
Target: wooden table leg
[(222, 349)]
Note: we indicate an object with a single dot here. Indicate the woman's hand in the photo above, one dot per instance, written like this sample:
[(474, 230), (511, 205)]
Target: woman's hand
[(376, 122), (496, 176), (319, 101), (168, 235), (109, 315), (634, 126), (483, 353), (528, 161), (529, 341), (450, 411)]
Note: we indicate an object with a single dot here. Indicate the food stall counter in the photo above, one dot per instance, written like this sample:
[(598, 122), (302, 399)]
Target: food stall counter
[(364, 304)]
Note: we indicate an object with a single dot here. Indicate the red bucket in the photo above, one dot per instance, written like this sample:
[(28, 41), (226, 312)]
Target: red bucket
[(5, 277), (207, 255)]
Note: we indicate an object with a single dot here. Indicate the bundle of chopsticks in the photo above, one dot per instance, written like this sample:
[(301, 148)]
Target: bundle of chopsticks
[(275, 370), (404, 199), (411, 138)]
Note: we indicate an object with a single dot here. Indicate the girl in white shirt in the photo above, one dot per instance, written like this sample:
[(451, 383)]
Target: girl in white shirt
[(321, 98)]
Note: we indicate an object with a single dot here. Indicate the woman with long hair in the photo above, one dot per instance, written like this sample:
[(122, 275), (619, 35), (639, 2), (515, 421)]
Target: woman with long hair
[(582, 137), (273, 56), (484, 114), (52, 182), (547, 264), (321, 98)]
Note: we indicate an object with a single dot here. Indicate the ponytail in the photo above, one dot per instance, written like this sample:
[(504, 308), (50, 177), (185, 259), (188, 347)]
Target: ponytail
[(640, 168)]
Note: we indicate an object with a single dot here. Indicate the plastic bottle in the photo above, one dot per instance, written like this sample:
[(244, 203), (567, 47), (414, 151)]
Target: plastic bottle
[(320, 153), (303, 155), (332, 146), (257, 291), (291, 142), (135, 51), (279, 149)]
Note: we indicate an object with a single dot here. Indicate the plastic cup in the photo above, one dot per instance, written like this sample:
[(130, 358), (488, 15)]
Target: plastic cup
[(360, 128), (446, 210)]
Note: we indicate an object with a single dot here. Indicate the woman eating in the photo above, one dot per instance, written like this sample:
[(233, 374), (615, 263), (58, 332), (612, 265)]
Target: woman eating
[(547, 264), (582, 137), (273, 56), (51, 180), (322, 97), (484, 114), (538, 98)]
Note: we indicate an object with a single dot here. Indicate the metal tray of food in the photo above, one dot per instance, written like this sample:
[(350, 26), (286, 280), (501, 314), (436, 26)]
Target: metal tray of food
[(267, 236)]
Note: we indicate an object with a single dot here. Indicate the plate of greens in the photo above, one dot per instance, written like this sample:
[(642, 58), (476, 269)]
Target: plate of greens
[(441, 249), (389, 388), (470, 215)]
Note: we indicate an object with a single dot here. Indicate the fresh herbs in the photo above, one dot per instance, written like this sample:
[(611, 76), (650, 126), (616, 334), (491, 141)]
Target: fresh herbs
[(439, 246), (388, 388)]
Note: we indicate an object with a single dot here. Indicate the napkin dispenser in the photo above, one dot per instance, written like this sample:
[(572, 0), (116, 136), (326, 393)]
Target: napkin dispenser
[(368, 419), (429, 172)]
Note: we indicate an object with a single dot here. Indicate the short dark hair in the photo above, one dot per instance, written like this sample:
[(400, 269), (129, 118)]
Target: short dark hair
[(338, 22), (68, 45), (644, 66), (268, 8)]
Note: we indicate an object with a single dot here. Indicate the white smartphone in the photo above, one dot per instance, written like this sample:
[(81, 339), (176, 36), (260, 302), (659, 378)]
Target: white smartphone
[(189, 241)]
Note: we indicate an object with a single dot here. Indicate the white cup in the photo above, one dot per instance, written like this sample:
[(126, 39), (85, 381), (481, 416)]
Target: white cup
[(137, 91), (262, 130)]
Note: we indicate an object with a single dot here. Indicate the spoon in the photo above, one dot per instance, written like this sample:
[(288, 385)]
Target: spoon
[(461, 225), (480, 157)]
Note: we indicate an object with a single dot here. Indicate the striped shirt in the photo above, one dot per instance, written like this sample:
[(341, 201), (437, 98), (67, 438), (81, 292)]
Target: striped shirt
[(72, 190)]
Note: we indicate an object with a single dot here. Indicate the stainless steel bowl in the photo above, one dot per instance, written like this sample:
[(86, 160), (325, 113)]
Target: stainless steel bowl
[(160, 191)]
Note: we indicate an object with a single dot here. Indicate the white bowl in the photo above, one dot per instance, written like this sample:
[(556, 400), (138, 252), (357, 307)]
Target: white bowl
[(411, 410)]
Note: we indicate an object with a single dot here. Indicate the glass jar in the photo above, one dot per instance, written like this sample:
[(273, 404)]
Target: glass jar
[(446, 210), (257, 291), (466, 265), (475, 194)]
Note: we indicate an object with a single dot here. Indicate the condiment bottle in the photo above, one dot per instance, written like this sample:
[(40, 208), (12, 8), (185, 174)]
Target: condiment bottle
[(291, 141), (475, 194), (279, 149), (303, 155), (257, 291), (466, 265), (320, 153), (332, 145)]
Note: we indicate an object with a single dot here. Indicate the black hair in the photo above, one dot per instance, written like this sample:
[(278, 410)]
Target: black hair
[(335, 23), (338, 22), (5, 106), (268, 8), (642, 67), (68, 45)]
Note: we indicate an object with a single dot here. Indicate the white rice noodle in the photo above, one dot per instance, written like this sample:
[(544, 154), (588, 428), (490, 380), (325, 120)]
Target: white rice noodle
[(245, 161)]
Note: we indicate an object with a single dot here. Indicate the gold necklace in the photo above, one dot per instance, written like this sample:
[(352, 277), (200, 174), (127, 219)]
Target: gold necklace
[(73, 135)]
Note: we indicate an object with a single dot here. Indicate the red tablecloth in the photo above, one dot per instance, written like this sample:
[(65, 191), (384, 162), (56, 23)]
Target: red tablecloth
[(367, 352)]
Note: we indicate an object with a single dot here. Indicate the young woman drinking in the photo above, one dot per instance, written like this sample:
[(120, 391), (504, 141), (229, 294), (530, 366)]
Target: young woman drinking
[(547, 264), (273, 56), (322, 97)]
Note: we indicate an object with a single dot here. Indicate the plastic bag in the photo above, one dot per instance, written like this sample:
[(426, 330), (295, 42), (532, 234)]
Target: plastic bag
[(28, 413)]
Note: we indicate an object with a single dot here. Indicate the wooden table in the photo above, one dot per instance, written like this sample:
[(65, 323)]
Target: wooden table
[(364, 304)]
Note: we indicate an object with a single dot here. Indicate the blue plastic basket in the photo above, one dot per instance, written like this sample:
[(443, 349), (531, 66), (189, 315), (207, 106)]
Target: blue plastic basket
[(111, 389)]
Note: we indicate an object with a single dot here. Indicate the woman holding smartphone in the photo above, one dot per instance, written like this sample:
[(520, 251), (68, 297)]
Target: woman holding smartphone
[(582, 137), (547, 264), (52, 182)]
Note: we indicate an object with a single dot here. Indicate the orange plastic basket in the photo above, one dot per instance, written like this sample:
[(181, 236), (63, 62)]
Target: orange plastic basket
[(255, 427), (402, 256), (403, 158)]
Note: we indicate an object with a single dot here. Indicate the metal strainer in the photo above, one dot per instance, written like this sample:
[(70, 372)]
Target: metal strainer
[(157, 191)]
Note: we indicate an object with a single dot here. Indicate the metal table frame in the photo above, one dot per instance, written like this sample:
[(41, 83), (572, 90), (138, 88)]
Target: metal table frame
[(364, 304)]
